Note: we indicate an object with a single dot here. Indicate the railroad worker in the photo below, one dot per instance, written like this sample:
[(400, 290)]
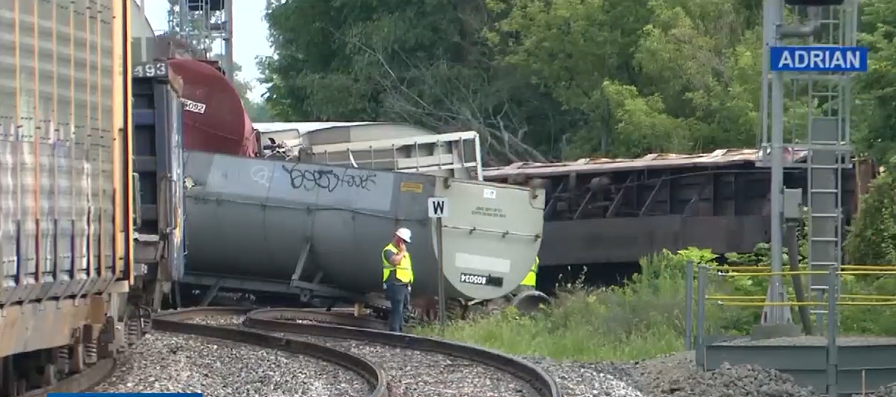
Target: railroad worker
[(398, 275), (528, 283)]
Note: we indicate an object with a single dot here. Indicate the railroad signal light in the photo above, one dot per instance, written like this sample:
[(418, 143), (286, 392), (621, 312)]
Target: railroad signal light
[(813, 3)]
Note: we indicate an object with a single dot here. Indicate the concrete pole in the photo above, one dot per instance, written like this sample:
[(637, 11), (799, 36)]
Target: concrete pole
[(772, 19)]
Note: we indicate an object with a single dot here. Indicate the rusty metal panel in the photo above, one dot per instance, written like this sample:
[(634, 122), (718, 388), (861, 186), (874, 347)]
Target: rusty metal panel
[(214, 118), (618, 240), (56, 108), (718, 158), (32, 327)]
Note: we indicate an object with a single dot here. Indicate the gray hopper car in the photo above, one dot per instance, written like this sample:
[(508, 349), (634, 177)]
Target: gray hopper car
[(302, 223)]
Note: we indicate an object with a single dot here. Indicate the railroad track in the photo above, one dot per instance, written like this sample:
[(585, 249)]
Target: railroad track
[(79, 382), (393, 365)]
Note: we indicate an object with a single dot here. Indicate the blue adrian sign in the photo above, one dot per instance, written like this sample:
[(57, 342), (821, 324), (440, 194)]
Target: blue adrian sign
[(818, 59)]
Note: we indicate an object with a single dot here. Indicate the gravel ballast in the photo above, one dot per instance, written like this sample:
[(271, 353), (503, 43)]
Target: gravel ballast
[(164, 362), (414, 373), (410, 373), (669, 376)]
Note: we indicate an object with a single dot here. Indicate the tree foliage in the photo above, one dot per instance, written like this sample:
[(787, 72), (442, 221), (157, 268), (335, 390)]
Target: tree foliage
[(423, 62), (872, 239), (569, 78), (257, 110), (876, 97)]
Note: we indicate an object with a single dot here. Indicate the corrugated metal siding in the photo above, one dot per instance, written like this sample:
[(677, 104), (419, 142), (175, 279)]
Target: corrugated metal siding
[(56, 108)]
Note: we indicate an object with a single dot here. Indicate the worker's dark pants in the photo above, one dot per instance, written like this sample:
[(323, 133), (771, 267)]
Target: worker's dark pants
[(398, 296)]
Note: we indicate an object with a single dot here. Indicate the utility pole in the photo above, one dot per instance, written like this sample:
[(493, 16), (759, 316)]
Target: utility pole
[(820, 67)]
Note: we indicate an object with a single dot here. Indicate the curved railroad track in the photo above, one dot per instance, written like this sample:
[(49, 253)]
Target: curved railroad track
[(343, 339), (178, 322)]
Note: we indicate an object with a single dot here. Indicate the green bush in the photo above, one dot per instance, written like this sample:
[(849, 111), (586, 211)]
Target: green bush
[(646, 317), (643, 319), (872, 241), (872, 235)]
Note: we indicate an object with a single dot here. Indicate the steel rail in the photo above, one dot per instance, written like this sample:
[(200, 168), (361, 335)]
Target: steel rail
[(79, 382), (341, 326), (176, 322), (343, 317)]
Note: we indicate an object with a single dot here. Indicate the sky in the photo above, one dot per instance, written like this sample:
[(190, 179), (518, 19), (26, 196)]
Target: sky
[(249, 35)]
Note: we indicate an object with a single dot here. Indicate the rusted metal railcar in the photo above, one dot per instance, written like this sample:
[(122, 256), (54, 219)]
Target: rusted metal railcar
[(609, 211), (214, 118), (65, 187)]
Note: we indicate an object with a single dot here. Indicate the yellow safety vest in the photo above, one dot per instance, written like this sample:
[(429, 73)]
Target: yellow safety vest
[(530, 278), (403, 272)]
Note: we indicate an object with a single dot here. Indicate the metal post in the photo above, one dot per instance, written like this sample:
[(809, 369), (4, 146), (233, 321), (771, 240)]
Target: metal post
[(771, 19), (833, 325), (701, 315), (689, 307), (793, 254), (478, 152), (184, 27), (228, 40), (177, 302), (441, 275)]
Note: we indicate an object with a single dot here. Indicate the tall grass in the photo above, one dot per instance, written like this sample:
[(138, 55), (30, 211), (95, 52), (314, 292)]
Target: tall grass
[(643, 319)]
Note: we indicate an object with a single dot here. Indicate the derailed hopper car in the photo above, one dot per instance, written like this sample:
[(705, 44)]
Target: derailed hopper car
[(281, 226)]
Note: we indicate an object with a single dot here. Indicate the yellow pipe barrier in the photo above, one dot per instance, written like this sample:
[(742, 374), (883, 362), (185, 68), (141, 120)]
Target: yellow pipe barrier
[(762, 297), (762, 304), (849, 267), (866, 273), (868, 267), (868, 297), (773, 273), (802, 272)]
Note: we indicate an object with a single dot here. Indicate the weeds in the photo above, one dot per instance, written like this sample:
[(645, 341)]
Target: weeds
[(643, 319)]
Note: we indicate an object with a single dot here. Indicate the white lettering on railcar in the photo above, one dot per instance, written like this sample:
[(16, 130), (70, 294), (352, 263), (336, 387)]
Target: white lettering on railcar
[(473, 279), (194, 107)]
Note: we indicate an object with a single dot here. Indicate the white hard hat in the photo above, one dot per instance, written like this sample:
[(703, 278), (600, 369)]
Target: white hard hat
[(404, 234)]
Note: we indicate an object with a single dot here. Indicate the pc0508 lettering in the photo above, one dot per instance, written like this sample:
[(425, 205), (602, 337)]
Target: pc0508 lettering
[(473, 279)]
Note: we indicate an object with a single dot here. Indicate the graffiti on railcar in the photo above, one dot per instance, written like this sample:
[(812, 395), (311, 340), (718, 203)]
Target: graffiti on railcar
[(329, 179)]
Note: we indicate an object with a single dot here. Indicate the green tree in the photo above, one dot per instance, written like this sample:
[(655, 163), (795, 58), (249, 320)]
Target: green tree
[(256, 110), (876, 98), (569, 78), (652, 75), (424, 62), (872, 237)]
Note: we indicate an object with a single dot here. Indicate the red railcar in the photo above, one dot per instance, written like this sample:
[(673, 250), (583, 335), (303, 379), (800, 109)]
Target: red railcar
[(214, 118)]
